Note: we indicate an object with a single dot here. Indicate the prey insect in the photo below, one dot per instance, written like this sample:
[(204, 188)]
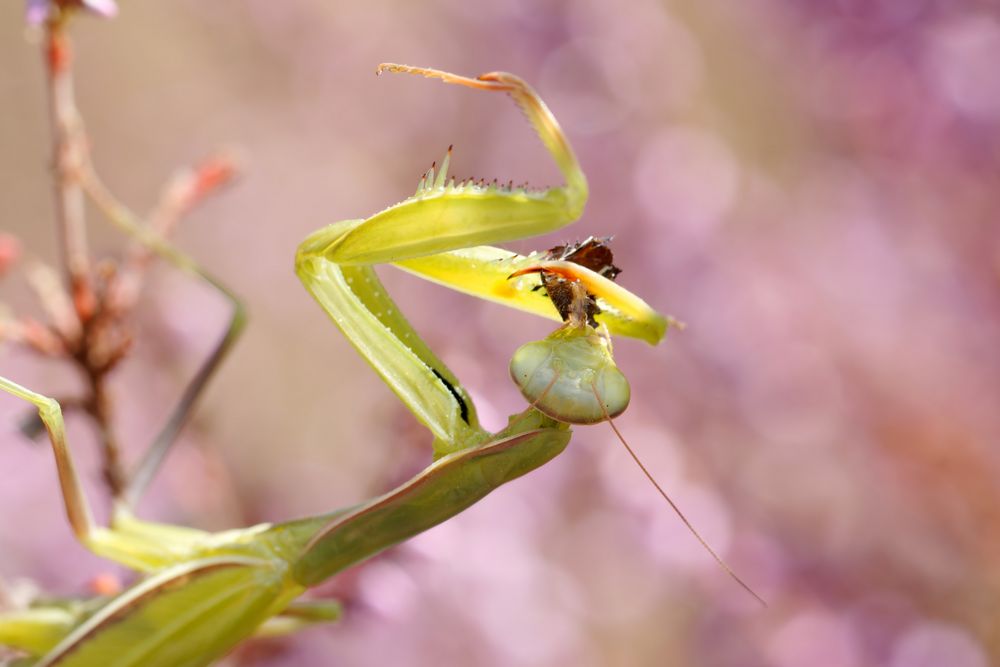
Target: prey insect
[(204, 593)]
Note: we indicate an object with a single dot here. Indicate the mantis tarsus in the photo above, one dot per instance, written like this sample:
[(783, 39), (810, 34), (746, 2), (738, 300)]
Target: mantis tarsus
[(206, 592)]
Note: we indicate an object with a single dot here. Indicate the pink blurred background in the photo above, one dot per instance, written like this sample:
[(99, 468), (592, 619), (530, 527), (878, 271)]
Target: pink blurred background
[(811, 187)]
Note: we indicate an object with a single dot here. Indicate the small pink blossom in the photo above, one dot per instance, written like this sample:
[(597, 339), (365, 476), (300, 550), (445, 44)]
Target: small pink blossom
[(39, 11)]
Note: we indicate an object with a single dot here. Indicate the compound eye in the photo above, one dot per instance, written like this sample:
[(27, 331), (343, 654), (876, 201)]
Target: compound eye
[(571, 379)]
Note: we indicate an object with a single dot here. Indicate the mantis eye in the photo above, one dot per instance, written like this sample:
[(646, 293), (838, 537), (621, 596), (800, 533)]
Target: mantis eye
[(569, 375)]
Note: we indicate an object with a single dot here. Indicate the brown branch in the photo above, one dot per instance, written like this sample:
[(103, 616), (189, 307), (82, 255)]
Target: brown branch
[(100, 408)]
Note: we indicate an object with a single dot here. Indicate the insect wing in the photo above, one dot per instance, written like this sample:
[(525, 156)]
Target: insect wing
[(186, 615)]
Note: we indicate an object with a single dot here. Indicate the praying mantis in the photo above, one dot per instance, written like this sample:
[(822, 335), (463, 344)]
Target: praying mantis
[(204, 593)]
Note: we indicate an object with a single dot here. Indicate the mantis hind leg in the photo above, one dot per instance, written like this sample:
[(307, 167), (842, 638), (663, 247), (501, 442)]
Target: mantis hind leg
[(126, 221), (300, 614), (138, 545), (144, 471)]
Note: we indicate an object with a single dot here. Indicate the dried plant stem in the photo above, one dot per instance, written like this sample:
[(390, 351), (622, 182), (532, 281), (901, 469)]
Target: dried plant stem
[(100, 408), (69, 152), (70, 161), (88, 308)]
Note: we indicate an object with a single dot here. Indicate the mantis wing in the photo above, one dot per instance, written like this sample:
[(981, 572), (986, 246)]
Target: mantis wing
[(185, 616)]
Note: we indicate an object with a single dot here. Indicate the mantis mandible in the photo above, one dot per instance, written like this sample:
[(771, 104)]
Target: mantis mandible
[(204, 593)]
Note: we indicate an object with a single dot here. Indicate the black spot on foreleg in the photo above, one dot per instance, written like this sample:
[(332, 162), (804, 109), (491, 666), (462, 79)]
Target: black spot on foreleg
[(462, 407)]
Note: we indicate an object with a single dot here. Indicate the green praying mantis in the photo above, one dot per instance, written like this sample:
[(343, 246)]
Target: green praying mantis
[(204, 593)]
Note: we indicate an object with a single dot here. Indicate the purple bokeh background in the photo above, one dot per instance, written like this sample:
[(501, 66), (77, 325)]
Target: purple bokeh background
[(811, 187)]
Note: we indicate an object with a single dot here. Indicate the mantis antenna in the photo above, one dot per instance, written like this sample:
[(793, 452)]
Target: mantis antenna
[(680, 514), (571, 375)]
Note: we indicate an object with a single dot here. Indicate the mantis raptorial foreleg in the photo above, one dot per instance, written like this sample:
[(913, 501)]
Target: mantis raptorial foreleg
[(430, 234)]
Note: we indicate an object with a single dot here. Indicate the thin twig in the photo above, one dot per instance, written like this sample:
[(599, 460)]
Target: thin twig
[(69, 152), (185, 190), (44, 282), (83, 326), (33, 334)]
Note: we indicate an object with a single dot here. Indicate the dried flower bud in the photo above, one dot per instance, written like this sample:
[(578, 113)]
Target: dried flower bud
[(106, 584), (10, 252), (213, 173)]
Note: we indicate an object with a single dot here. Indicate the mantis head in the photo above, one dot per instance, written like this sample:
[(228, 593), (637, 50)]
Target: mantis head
[(571, 376)]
